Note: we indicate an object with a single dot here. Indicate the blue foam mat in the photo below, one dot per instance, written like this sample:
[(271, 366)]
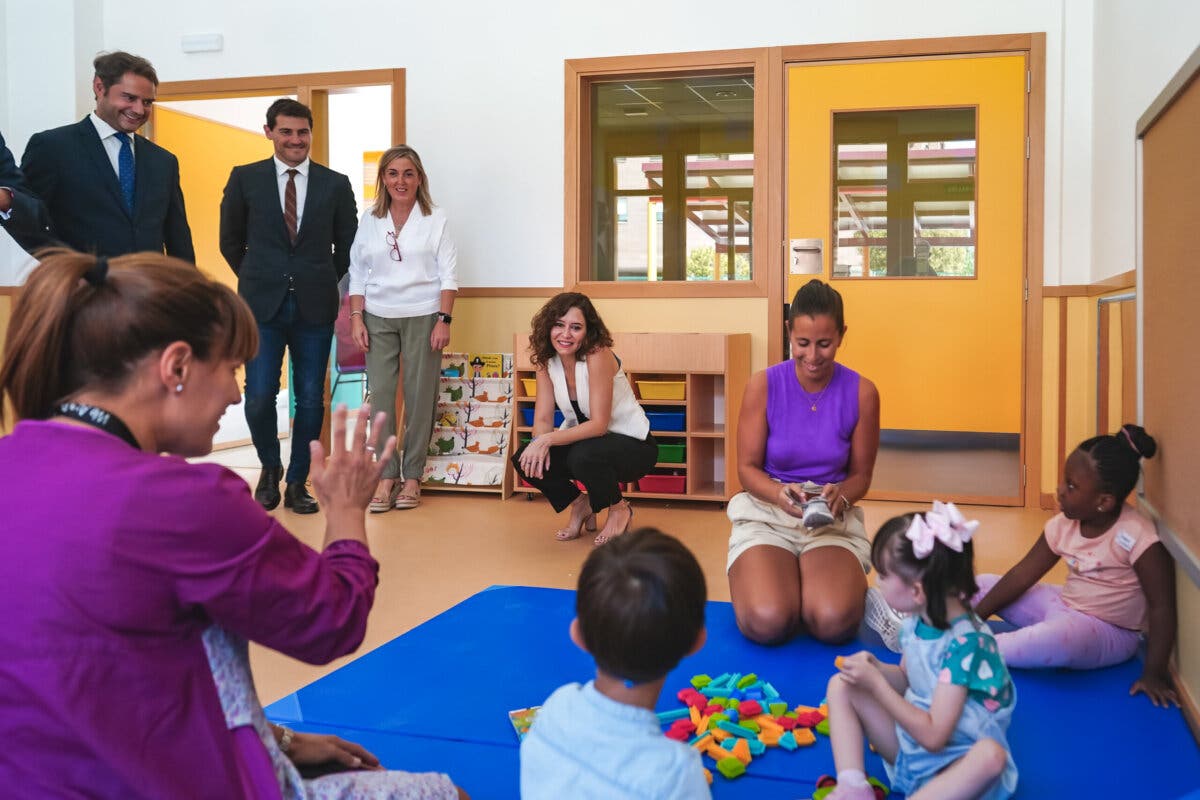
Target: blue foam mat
[(492, 771), (451, 681)]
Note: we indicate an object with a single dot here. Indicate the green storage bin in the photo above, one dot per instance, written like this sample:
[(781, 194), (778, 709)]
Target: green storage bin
[(672, 453)]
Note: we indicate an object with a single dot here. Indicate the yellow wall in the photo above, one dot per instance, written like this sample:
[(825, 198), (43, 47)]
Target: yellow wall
[(945, 354), (207, 151), (487, 324)]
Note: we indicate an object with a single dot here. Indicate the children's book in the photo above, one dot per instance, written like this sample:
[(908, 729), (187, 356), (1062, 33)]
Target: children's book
[(521, 719)]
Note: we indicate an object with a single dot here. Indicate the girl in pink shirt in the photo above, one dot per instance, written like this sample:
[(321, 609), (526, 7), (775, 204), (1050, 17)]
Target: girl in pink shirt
[(1121, 582)]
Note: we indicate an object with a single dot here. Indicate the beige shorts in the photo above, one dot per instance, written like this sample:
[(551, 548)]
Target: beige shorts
[(756, 523)]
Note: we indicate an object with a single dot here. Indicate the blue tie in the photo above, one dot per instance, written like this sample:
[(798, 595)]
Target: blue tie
[(125, 169)]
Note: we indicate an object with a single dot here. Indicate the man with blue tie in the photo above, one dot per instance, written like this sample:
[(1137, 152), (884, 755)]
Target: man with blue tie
[(109, 191), (287, 224)]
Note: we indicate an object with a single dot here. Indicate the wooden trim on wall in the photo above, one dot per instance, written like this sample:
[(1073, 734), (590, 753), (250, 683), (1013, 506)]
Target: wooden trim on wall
[(507, 291), (1061, 443), (1047, 501), (1115, 283), (1035, 216), (777, 251), (1187, 702), (577, 176), (266, 84), (1103, 371), (924, 48), (12, 291)]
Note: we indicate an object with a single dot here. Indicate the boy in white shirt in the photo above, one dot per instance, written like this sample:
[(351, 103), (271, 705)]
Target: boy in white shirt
[(639, 609)]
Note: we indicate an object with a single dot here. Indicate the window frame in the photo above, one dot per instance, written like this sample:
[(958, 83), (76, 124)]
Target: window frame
[(577, 178)]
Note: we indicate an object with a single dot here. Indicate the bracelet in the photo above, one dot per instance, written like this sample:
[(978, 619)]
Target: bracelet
[(356, 313), (285, 738)]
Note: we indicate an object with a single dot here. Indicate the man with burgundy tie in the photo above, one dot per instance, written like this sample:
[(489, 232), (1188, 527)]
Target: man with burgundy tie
[(287, 224), (107, 190)]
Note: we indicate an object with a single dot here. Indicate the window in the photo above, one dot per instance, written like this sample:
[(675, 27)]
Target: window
[(905, 194), (671, 177)]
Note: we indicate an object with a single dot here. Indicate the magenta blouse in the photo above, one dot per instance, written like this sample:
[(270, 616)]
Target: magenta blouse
[(117, 562)]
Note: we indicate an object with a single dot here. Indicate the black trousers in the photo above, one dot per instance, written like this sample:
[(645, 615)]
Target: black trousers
[(601, 464)]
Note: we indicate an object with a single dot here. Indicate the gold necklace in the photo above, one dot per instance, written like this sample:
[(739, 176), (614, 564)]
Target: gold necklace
[(814, 400)]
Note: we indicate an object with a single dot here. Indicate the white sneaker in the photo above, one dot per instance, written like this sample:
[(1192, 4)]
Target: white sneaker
[(883, 619)]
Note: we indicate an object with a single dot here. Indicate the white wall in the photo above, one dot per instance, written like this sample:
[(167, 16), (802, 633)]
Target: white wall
[(1139, 47), (485, 88)]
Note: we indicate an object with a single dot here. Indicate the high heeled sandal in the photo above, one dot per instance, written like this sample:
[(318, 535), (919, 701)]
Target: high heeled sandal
[(379, 505), (601, 539), (565, 534)]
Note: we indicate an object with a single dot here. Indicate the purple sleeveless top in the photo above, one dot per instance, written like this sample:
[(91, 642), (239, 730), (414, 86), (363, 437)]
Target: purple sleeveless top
[(806, 445)]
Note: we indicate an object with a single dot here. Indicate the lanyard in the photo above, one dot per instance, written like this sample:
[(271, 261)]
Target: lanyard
[(98, 418)]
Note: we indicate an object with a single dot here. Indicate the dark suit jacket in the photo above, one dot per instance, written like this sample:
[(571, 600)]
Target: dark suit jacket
[(254, 240), (28, 223), (68, 168)]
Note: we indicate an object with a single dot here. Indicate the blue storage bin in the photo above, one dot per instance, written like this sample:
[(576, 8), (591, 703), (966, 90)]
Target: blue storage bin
[(665, 420), (527, 413)]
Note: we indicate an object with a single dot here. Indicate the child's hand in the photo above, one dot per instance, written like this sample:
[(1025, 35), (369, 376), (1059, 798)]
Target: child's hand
[(860, 669), (1158, 688)]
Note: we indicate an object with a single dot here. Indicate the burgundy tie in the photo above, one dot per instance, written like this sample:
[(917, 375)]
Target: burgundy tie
[(289, 205)]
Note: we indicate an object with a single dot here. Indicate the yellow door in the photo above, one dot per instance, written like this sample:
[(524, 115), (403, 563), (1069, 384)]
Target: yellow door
[(911, 175)]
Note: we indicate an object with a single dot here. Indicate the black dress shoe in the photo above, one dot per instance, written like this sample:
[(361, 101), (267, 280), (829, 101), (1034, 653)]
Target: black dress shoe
[(297, 498), (267, 491)]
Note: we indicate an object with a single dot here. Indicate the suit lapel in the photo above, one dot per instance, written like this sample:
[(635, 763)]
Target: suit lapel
[(94, 152)]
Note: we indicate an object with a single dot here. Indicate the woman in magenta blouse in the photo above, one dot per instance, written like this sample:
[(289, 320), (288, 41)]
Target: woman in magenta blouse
[(808, 429), (118, 558)]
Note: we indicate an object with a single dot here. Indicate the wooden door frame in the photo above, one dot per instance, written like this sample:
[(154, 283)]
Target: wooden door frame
[(312, 89), (1033, 45)]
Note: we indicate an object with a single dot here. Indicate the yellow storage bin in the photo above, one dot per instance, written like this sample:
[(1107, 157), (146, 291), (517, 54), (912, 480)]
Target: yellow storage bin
[(661, 390), (530, 386)]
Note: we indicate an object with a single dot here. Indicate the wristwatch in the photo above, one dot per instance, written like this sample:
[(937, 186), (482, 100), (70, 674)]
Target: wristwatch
[(444, 317)]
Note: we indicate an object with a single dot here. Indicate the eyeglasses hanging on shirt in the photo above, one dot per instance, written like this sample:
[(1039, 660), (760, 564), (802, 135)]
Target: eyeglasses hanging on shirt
[(394, 241)]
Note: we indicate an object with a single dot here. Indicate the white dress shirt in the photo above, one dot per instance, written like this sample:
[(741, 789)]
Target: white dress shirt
[(112, 145), (301, 186), (412, 286)]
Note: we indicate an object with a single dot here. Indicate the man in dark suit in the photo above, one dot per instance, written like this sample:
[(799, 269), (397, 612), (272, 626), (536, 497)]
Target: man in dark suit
[(108, 190), (21, 214), (287, 224)]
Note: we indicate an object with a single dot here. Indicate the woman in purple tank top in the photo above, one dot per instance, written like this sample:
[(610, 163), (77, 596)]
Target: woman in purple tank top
[(808, 430)]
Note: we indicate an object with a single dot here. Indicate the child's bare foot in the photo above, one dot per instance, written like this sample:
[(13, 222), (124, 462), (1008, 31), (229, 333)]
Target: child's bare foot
[(581, 518), (619, 516)]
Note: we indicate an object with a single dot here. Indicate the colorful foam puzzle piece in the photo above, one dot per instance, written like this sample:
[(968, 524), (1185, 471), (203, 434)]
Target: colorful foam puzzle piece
[(747, 681), (777, 709), (672, 715), (677, 735), (804, 737), (823, 727), (749, 708), (839, 662), (788, 741), (700, 681), (736, 730), (741, 751), (731, 767), (757, 746), (707, 775)]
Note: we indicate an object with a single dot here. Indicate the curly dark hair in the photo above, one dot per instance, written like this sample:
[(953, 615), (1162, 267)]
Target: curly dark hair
[(1118, 458), (596, 335)]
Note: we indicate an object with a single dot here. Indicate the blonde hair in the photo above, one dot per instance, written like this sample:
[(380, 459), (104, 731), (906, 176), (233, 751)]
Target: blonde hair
[(383, 200)]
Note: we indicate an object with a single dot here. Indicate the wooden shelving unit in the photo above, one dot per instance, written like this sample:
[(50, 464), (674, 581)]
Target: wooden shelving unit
[(713, 368)]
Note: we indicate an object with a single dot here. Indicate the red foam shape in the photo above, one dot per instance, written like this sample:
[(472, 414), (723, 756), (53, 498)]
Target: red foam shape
[(749, 708), (712, 709), (809, 719), (678, 734), (685, 725), (787, 723)]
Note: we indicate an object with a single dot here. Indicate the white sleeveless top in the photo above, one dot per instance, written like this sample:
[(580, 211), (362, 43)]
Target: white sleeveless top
[(627, 416)]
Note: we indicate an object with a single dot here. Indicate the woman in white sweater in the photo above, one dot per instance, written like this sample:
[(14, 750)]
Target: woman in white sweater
[(604, 440), (402, 286)]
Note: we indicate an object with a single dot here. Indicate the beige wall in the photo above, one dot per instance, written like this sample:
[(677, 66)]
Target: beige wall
[(487, 324)]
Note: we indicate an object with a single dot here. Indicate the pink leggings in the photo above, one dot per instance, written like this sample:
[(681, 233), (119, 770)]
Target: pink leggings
[(1051, 634)]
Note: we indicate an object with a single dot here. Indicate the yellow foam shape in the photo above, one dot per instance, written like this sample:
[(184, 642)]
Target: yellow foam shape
[(707, 775), (702, 725), (719, 734), (837, 662), (805, 709), (824, 709), (768, 722), (741, 751), (695, 715), (804, 736), (703, 743), (716, 752), (769, 737)]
